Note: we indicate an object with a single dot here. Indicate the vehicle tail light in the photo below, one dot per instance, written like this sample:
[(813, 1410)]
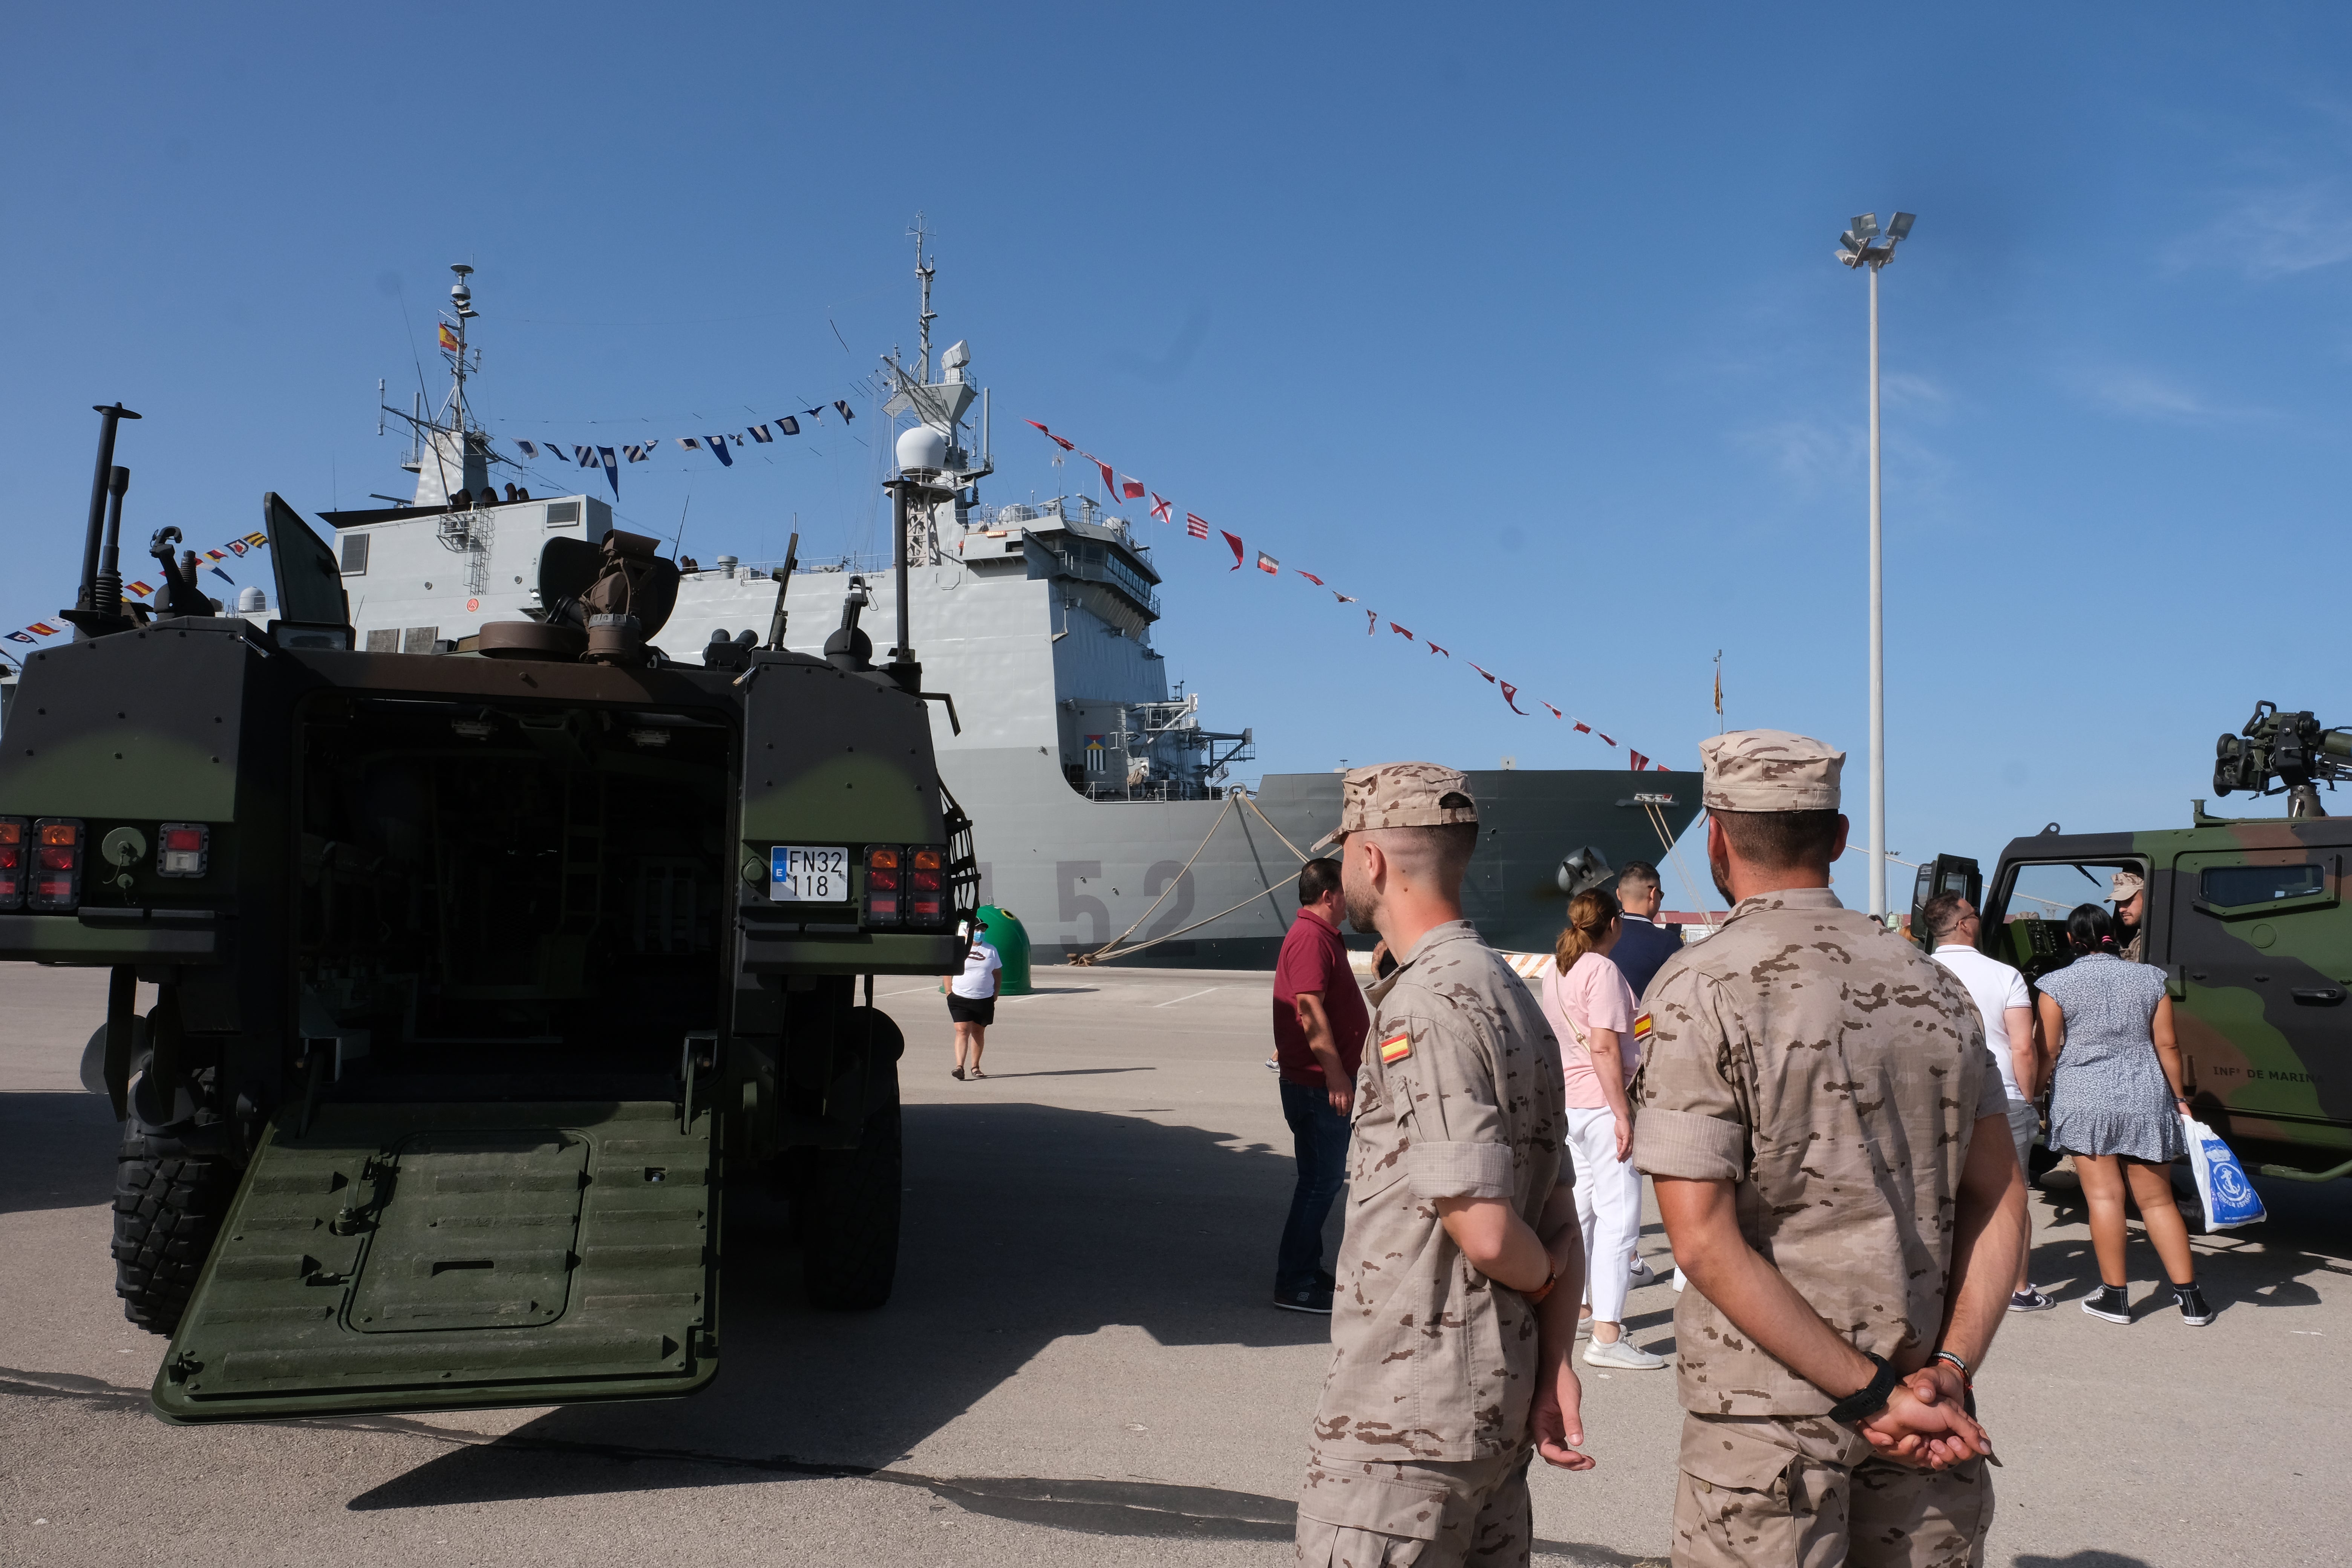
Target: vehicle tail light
[(184, 850), (12, 862), (882, 905), (927, 881), (56, 869)]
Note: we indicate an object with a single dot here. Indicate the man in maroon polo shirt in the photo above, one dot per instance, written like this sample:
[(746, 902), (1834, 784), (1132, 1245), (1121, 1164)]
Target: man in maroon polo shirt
[(1319, 1022)]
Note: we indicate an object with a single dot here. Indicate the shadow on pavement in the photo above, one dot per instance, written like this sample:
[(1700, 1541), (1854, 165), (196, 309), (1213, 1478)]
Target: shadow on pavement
[(1024, 1223), (2259, 1266), (56, 1151)]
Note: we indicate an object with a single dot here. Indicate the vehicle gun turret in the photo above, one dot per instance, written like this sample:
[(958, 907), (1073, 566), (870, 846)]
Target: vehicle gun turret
[(2287, 751)]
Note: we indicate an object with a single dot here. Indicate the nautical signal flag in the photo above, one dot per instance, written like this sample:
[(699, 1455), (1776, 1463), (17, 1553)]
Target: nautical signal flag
[(846, 414), (1343, 598), (1640, 761), (1111, 480), (587, 456), (789, 425), (1371, 622), (1510, 695), (1435, 649), (43, 628), (719, 450), (759, 433), (1196, 526), (1402, 633), (1131, 490), (1234, 540), (20, 637), (450, 343), (530, 448), (1160, 506), (1308, 575), (1268, 564)]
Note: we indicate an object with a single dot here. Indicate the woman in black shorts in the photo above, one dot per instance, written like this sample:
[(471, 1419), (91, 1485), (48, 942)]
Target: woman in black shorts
[(971, 1000)]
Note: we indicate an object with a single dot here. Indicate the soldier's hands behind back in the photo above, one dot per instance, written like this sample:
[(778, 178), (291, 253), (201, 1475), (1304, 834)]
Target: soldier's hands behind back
[(1556, 1419), (1923, 1425)]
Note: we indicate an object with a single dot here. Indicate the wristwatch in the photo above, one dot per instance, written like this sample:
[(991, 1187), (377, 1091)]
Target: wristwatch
[(1540, 1291), (1869, 1399)]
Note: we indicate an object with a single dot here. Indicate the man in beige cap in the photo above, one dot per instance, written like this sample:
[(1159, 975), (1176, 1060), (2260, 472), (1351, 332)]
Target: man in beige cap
[(1831, 1157), (2130, 893), (1463, 1263)]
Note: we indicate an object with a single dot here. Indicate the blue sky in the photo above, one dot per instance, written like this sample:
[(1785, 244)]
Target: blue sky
[(1521, 325)]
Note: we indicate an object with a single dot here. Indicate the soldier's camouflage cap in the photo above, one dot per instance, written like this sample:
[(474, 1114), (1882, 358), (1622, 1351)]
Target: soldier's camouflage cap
[(2126, 886), (1399, 794), (1769, 770)]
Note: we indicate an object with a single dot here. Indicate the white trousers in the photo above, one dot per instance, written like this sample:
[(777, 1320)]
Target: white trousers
[(1608, 1205)]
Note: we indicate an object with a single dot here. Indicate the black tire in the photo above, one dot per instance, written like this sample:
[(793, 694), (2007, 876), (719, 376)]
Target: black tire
[(168, 1209), (845, 1209)]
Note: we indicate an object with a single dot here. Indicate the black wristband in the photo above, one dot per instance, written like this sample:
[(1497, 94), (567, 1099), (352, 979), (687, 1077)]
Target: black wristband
[(1869, 1399)]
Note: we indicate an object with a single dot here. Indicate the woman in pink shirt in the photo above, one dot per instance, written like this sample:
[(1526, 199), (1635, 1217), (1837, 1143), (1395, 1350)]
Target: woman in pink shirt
[(1590, 1009)]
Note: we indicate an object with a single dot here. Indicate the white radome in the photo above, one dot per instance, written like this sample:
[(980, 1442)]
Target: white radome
[(921, 446)]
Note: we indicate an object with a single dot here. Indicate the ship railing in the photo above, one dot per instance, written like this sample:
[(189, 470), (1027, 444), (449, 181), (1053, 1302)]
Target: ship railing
[(866, 565)]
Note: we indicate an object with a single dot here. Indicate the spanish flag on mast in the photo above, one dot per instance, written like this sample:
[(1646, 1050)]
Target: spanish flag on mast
[(449, 343)]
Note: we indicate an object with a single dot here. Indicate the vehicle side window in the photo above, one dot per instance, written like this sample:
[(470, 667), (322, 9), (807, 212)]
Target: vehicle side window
[(2231, 886)]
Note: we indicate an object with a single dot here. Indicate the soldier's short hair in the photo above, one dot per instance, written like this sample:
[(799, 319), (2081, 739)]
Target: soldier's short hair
[(1639, 876), (1315, 878), (1944, 913), (1780, 840), (1439, 854)]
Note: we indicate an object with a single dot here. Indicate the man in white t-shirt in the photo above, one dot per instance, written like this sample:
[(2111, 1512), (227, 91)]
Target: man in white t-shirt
[(971, 1000), (2001, 997)]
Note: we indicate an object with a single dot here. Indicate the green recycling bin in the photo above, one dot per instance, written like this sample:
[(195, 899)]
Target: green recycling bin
[(1012, 943)]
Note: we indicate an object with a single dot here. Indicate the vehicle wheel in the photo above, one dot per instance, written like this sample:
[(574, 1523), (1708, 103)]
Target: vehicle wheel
[(168, 1209), (845, 1209)]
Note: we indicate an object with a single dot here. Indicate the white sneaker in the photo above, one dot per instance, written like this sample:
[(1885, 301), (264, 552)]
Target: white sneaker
[(1624, 1355), (1640, 1273)]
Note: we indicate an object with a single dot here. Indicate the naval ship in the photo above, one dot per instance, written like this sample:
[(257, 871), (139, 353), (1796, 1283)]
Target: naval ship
[(1110, 819)]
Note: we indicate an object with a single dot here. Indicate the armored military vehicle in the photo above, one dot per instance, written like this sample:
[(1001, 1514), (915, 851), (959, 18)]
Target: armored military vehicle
[(2246, 917), (477, 973)]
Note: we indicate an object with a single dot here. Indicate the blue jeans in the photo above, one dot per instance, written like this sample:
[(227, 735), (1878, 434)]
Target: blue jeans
[(1319, 1139)]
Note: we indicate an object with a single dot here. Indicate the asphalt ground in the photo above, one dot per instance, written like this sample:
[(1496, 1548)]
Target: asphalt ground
[(1080, 1364)]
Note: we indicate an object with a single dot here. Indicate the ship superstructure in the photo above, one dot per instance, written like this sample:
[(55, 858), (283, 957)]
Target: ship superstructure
[(1106, 809)]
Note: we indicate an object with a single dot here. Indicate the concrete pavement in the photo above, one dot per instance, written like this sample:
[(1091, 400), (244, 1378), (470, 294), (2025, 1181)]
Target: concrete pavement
[(1079, 1365)]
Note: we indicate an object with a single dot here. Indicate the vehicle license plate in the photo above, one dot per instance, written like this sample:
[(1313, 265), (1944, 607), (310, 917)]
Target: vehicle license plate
[(798, 874)]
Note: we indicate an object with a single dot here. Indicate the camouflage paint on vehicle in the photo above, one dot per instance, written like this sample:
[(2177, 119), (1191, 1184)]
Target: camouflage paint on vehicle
[(2247, 919)]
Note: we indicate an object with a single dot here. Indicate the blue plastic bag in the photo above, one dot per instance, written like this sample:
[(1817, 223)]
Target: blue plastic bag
[(2229, 1198)]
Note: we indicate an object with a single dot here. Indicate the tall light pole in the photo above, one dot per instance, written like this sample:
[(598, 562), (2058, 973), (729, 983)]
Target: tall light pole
[(1863, 246)]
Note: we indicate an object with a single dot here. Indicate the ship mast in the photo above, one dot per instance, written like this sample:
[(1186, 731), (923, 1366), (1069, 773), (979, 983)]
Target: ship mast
[(925, 272)]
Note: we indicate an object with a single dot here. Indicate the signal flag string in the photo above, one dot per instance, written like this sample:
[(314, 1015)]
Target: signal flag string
[(1118, 487)]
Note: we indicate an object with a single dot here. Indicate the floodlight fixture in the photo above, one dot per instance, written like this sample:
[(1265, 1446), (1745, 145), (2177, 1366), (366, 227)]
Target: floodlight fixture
[(1901, 226), (1866, 226)]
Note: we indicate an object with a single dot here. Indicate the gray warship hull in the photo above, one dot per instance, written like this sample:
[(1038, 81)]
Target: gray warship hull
[(1078, 873)]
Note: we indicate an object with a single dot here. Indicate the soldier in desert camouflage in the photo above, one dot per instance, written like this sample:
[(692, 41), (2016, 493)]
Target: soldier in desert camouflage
[(1833, 1162), (1463, 1264)]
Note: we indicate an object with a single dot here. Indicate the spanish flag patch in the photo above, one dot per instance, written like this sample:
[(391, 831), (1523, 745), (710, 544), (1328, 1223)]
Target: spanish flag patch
[(1395, 1048), (1642, 1027)]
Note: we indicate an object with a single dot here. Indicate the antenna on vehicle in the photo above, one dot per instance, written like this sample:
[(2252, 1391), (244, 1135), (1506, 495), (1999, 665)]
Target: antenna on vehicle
[(783, 583)]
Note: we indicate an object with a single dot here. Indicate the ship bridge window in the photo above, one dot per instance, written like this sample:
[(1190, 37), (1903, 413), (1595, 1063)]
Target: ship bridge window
[(355, 554), (562, 513)]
